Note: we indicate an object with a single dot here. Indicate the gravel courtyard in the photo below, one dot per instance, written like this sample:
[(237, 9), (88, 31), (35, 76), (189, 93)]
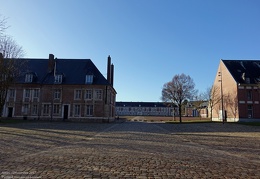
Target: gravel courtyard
[(129, 150)]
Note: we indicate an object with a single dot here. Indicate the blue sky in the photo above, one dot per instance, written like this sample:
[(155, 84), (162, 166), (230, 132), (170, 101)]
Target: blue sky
[(149, 40)]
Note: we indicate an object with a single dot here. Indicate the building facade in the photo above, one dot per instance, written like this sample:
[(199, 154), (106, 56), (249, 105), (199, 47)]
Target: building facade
[(62, 89), (196, 109), (145, 109), (237, 85)]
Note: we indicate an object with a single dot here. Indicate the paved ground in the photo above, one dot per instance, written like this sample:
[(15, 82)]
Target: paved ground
[(129, 150)]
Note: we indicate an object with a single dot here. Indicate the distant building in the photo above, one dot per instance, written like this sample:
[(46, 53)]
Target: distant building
[(237, 82), (196, 109), (62, 89), (145, 109)]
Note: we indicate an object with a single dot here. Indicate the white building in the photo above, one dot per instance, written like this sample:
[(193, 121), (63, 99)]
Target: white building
[(145, 109)]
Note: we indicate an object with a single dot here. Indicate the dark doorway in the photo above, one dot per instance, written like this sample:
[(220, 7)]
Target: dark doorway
[(65, 111), (10, 112)]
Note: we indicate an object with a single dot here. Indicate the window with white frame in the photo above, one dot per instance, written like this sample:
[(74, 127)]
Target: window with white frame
[(89, 110), (25, 109), (46, 109), (249, 95), (27, 93), (77, 94), (98, 94), (89, 79), (249, 111), (76, 110), (11, 93), (57, 93), (28, 78), (36, 93), (35, 109), (88, 94), (58, 79), (56, 109)]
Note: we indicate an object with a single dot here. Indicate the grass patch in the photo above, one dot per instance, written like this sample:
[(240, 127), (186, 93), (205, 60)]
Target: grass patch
[(127, 118)]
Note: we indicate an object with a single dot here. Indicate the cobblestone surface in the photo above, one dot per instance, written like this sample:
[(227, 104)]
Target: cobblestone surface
[(129, 150)]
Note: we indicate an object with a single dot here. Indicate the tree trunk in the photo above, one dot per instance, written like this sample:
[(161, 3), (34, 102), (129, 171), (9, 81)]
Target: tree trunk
[(180, 113), (211, 113)]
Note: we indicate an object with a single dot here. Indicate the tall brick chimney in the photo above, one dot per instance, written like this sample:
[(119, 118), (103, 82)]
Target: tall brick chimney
[(109, 69), (112, 74), (51, 63)]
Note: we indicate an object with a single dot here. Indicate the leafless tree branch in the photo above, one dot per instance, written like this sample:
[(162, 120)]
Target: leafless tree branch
[(212, 95), (3, 25), (10, 49)]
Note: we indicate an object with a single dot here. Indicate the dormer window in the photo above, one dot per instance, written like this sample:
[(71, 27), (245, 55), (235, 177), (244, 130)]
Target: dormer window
[(58, 79), (89, 79), (28, 78), (247, 80)]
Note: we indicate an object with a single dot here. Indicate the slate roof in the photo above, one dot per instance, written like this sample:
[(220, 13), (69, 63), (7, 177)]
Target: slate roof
[(74, 71), (142, 104), (202, 104), (244, 71)]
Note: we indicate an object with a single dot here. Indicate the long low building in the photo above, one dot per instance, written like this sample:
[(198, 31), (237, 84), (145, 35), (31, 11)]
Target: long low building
[(145, 109)]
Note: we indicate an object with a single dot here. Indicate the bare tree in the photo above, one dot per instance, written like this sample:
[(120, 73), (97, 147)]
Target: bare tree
[(231, 101), (10, 49), (213, 98), (3, 26), (10, 65), (179, 89)]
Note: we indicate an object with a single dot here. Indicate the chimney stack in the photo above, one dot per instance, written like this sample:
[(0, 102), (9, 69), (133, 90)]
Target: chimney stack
[(51, 63), (109, 69), (112, 74)]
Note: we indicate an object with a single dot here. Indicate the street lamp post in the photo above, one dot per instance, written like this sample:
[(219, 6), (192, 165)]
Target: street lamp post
[(221, 90)]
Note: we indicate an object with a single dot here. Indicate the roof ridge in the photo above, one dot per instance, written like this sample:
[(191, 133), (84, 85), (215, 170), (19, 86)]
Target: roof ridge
[(241, 60)]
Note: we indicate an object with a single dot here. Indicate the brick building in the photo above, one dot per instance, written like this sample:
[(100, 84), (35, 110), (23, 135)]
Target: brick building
[(145, 109), (196, 109), (62, 89), (237, 84)]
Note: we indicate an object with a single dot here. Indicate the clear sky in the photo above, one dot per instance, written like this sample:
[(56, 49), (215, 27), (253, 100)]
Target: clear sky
[(149, 41)]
